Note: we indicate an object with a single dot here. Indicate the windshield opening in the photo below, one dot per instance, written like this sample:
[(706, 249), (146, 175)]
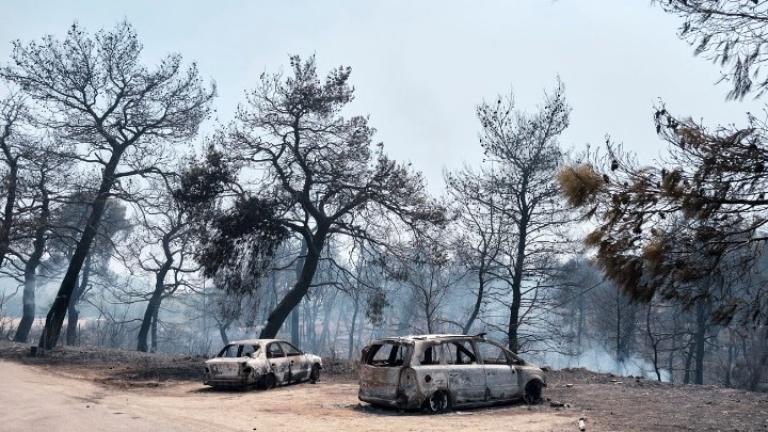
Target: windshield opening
[(388, 354), (238, 350)]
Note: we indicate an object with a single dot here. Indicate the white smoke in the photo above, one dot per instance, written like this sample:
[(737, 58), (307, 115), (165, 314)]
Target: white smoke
[(598, 359)]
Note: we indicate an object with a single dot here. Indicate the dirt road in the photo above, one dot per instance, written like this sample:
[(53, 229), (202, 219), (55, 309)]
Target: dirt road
[(33, 398)]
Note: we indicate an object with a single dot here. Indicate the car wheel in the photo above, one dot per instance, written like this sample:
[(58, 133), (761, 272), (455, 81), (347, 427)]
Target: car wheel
[(268, 382), (252, 380), (314, 375), (438, 402), (533, 392)]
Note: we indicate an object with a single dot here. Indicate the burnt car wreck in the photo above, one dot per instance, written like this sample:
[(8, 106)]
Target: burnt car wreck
[(441, 372), (265, 363)]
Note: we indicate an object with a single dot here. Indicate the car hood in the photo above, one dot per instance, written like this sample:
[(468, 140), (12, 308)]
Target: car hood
[(314, 358), (226, 360), (531, 368)]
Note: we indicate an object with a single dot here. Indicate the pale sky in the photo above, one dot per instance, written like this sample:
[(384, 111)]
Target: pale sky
[(421, 67)]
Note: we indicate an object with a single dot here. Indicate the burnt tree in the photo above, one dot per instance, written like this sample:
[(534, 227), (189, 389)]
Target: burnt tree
[(526, 156), (484, 233), (162, 249), (698, 215), (96, 92), (45, 176), (12, 113), (312, 173), (732, 34)]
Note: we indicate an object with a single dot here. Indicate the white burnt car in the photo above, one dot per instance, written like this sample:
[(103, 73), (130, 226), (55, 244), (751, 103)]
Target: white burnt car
[(265, 363), (440, 372)]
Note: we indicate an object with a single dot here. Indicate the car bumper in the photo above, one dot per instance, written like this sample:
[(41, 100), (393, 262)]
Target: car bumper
[(401, 401), (226, 382)]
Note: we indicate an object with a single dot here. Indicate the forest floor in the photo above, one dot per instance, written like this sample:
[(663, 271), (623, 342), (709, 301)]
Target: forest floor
[(113, 390)]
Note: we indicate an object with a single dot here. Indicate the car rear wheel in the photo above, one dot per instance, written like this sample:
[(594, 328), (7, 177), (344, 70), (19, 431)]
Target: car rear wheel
[(268, 382), (314, 375), (438, 402), (533, 392)]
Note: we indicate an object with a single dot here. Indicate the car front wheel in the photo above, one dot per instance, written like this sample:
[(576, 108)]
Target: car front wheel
[(268, 382), (438, 402), (533, 392), (314, 375)]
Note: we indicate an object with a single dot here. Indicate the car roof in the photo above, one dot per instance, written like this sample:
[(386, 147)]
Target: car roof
[(426, 337), (255, 341)]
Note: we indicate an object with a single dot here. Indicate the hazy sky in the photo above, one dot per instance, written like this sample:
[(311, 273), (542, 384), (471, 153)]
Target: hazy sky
[(421, 67)]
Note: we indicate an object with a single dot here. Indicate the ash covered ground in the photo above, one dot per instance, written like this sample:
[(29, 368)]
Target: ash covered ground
[(99, 389)]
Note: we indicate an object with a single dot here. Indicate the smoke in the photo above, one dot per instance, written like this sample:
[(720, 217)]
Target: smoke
[(598, 359)]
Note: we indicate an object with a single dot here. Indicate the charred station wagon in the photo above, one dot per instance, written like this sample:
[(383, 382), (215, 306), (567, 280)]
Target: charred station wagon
[(262, 362), (439, 372)]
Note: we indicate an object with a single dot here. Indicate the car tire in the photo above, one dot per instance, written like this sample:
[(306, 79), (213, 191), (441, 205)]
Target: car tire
[(252, 380), (268, 382), (438, 402), (532, 394), (314, 375)]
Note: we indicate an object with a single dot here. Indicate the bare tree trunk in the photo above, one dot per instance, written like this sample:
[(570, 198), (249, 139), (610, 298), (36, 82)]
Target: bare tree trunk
[(310, 318), (406, 314), (300, 289), (11, 186), (688, 361), (73, 313), (223, 332), (295, 326), (517, 279), (360, 329), (55, 317), (327, 309), (428, 312), (28, 312), (701, 332), (654, 343), (479, 300), (153, 347), (674, 348), (153, 306), (352, 329), (758, 368), (729, 367), (30, 269), (146, 323), (580, 323)]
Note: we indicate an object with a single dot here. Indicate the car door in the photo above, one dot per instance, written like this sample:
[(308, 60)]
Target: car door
[(278, 362), (466, 377), (248, 352), (380, 370), (298, 365), (500, 372)]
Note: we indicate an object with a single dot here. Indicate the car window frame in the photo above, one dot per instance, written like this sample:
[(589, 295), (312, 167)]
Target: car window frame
[(437, 354), (255, 347), (454, 345), (405, 349), (269, 350), (298, 351), (239, 350), (510, 359)]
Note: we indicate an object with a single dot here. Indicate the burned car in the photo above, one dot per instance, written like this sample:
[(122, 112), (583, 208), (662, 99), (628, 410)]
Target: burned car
[(265, 363), (440, 372)]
